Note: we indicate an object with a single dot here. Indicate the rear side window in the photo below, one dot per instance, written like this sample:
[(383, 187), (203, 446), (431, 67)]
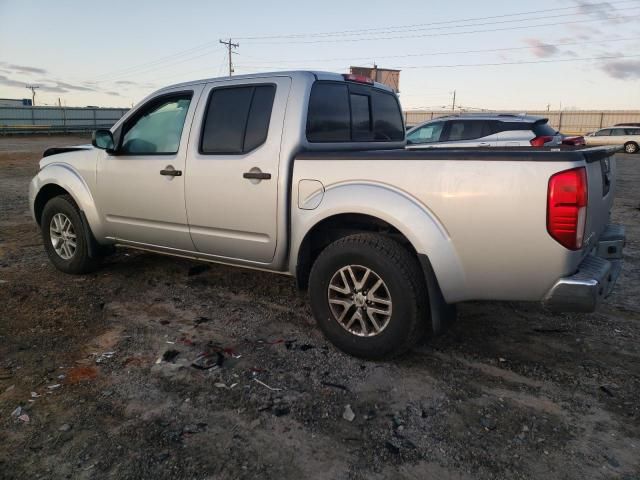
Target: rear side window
[(339, 112), (237, 119), (468, 129), (618, 132), (543, 128)]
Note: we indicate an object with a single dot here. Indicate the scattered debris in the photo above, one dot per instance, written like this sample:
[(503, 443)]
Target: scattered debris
[(54, 386), (502, 360), (24, 418), (104, 356), (65, 427), (201, 320), (197, 270), (606, 390), (348, 414), (281, 410), (170, 355), (335, 385), (34, 395), (207, 360), (488, 423), (16, 413), (392, 447), (265, 385), (194, 428)]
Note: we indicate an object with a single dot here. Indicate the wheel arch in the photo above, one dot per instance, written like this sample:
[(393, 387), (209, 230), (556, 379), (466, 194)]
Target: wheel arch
[(62, 179), (358, 207)]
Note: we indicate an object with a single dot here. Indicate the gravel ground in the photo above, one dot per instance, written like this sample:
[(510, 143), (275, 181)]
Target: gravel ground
[(101, 368)]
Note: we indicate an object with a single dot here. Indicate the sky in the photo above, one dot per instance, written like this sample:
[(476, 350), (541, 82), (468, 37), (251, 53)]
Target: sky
[(496, 54)]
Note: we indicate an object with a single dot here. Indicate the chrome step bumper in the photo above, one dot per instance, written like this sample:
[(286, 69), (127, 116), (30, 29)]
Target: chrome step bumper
[(595, 278)]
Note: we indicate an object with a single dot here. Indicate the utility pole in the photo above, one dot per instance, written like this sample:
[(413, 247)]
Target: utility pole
[(230, 45), (33, 89), (453, 103)]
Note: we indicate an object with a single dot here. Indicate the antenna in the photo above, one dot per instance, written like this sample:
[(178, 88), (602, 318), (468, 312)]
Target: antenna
[(33, 89)]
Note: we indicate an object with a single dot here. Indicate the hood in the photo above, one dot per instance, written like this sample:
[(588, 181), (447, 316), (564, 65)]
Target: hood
[(56, 150)]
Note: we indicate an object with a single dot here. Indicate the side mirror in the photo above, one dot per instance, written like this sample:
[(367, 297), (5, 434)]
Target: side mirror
[(103, 139)]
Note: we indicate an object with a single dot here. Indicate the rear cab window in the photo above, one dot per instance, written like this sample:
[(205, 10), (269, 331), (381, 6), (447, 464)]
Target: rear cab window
[(346, 112)]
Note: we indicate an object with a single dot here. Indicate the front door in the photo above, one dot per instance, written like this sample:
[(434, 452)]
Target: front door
[(232, 169), (141, 187)]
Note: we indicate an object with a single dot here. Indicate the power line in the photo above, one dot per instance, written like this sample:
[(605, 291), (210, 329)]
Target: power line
[(450, 52), (379, 29), (397, 37), (524, 62), (206, 45)]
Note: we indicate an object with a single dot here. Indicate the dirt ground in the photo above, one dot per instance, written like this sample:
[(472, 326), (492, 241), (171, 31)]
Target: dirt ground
[(101, 368)]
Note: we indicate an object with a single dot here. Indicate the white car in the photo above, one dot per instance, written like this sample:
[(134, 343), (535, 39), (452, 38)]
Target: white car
[(629, 136), (484, 130)]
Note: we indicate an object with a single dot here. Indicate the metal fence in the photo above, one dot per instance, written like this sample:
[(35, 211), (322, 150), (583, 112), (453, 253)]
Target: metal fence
[(57, 119), (578, 122), (74, 119)]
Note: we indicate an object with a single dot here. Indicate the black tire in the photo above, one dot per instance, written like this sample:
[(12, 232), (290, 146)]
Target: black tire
[(403, 278), (631, 147), (79, 262)]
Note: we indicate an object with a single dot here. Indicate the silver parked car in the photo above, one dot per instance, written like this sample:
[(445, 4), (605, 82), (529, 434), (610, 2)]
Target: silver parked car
[(627, 135), (484, 130)]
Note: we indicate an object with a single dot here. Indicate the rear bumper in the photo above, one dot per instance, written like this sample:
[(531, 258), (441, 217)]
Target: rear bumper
[(596, 276)]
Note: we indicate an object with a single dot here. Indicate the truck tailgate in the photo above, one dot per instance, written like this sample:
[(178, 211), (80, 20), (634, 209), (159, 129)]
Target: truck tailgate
[(601, 177)]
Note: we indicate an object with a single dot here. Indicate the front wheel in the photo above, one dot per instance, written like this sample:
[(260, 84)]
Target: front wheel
[(63, 233), (368, 296), (630, 147)]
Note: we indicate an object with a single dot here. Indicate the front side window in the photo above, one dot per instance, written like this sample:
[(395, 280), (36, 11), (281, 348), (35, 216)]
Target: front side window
[(603, 133), (237, 119), (427, 134), (157, 128)]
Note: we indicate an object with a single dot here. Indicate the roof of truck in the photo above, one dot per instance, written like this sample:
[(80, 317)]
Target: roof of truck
[(319, 75)]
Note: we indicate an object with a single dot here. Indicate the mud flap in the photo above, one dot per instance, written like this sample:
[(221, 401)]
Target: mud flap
[(443, 314)]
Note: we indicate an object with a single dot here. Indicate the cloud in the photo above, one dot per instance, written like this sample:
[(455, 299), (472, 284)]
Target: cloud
[(541, 49), (115, 94), (622, 69), (125, 82), (601, 10), (71, 86), (11, 83), (12, 68)]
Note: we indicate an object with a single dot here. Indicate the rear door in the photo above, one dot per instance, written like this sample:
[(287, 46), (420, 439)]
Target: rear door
[(232, 168)]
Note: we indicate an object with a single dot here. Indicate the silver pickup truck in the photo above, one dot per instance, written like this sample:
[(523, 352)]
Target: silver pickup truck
[(304, 174)]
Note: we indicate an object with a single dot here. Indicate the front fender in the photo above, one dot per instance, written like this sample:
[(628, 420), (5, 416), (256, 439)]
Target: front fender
[(68, 178), (404, 212)]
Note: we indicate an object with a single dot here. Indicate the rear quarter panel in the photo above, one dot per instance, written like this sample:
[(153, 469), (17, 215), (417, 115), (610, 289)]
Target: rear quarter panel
[(491, 214)]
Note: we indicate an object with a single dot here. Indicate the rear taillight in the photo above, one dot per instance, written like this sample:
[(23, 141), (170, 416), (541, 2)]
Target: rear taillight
[(567, 207), (540, 140)]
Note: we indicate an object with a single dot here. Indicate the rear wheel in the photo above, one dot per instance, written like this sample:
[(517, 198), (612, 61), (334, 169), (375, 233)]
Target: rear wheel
[(64, 236), (368, 296), (630, 147)]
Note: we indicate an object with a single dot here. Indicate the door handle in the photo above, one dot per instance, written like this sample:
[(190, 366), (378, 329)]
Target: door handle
[(257, 175), (169, 171)]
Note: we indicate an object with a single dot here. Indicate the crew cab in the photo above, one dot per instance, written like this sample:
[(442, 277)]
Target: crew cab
[(304, 173)]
